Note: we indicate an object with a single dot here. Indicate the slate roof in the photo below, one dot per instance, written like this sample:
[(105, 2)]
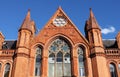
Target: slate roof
[(106, 43), (9, 44), (112, 43)]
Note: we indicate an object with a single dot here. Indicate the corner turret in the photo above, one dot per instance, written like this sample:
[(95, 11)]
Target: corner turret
[(97, 54), (91, 23), (26, 33), (93, 31), (28, 24)]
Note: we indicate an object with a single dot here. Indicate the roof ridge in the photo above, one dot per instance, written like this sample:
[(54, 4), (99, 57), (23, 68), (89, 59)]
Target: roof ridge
[(10, 40), (108, 39)]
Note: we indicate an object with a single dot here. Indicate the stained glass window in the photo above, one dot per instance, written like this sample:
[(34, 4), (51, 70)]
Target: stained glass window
[(113, 70), (7, 70), (59, 59), (81, 61), (38, 61)]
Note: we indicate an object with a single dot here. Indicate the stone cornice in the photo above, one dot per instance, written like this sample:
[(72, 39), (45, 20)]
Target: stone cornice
[(22, 47), (113, 56), (21, 55), (97, 54)]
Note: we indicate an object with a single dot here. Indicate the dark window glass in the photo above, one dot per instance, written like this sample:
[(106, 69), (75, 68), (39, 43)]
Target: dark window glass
[(38, 58), (113, 70), (7, 70), (52, 55), (59, 57), (81, 61), (0, 66), (38, 61)]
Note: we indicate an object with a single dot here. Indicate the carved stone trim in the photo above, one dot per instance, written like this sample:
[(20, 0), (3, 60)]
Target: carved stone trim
[(21, 55), (97, 54), (96, 46), (94, 28), (113, 56), (23, 47), (6, 57), (25, 29)]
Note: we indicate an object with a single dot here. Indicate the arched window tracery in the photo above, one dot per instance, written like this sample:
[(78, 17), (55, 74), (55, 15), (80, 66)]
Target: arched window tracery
[(113, 71), (59, 59), (7, 70), (38, 60), (81, 58)]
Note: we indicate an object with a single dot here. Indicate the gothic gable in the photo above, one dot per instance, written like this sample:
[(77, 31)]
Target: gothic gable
[(60, 24)]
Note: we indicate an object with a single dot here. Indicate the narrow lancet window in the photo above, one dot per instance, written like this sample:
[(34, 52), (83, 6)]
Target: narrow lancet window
[(113, 70), (81, 62), (7, 70), (38, 62)]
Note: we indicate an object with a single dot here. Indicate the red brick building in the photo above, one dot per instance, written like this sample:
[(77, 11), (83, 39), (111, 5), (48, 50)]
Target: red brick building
[(60, 50)]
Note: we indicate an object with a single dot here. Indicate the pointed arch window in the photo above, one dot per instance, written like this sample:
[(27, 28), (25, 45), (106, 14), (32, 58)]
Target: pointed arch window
[(81, 61), (59, 59), (38, 61), (113, 70), (7, 70)]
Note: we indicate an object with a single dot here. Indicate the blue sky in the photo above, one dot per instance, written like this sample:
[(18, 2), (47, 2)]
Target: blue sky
[(13, 12)]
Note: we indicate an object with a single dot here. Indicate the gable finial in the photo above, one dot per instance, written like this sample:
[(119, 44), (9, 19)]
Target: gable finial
[(59, 7)]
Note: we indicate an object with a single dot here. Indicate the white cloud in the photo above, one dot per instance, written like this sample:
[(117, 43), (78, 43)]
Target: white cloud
[(111, 29)]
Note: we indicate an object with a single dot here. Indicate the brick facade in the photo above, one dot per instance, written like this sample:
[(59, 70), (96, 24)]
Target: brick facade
[(21, 54)]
